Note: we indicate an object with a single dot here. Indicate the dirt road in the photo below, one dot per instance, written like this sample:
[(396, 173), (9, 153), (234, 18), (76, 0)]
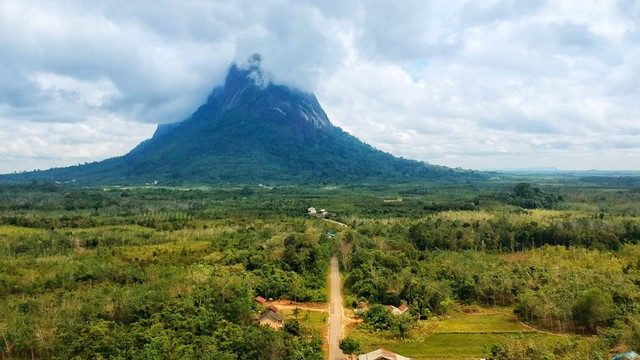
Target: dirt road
[(335, 312), (336, 222)]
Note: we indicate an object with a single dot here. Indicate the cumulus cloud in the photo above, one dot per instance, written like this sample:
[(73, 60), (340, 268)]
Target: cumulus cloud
[(64, 144), (492, 84)]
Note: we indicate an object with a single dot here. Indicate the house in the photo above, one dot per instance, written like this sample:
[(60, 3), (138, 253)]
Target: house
[(319, 213), (361, 308), (273, 308), (382, 354), (403, 308), (272, 319), (260, 300), (394, 310)]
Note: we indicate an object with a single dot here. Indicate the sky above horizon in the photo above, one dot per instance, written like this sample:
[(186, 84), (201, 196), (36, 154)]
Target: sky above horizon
[(497, 84)]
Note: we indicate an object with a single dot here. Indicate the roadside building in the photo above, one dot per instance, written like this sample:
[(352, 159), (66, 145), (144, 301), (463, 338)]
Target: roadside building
[(382, 354)]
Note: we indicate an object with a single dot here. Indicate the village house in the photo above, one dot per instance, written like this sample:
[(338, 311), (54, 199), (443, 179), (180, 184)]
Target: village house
[(394, 310), (382, 354), (403, 308), (271, 318), (319, 213), (260, 300), (397, 311)]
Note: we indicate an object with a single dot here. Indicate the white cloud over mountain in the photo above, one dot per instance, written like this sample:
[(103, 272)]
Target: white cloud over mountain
[(492, 84)]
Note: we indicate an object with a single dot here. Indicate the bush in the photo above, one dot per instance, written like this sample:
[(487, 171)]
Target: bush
[(378, 318)]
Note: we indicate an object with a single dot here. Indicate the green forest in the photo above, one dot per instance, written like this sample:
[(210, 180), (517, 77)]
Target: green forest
[(171, 272)]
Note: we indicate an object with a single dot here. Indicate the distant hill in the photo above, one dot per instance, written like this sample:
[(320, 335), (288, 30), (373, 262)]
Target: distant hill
[(251, 131)]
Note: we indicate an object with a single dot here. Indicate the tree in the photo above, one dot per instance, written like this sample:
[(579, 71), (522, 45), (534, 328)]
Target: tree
[(349, 346), (403, 323), (292, 327), (378, 318), (594, 308)]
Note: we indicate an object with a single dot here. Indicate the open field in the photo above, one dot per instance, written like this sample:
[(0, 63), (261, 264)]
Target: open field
[(460, 337), (315, 319)]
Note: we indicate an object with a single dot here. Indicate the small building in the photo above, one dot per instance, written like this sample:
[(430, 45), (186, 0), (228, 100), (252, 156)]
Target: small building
[(382, 354), (272, 319), (394, 310), (273, 308), (330, 235), (403, 308), (260, 300), (322, 213)]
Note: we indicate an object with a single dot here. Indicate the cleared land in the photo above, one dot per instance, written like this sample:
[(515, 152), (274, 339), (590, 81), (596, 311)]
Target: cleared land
[(463, 336)]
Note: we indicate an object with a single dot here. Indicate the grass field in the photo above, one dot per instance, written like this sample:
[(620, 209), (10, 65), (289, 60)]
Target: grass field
[(485, 323), (459, 337), (315, 320)]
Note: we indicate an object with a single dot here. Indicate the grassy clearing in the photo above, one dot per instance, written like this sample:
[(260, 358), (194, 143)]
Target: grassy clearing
[(315, 320), (489, 323), (460, 337)]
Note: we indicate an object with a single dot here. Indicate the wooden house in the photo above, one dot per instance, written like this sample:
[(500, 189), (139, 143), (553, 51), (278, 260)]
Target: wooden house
[(260, 300), (270, 318)]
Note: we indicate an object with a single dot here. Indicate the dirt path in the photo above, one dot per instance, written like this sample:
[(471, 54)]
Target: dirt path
[(335, 312), (336, 222), (292, 305)]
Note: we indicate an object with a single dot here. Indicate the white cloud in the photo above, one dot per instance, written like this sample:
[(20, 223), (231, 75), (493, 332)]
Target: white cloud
[(62, 143), (490, 84)]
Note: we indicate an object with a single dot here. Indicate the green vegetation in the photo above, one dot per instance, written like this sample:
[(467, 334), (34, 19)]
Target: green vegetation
[(349, 346), (311, 319), (459, 337), (152, 272), (526, 196)]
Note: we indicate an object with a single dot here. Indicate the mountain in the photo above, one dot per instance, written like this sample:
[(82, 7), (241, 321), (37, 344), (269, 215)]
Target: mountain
[(251, 130)]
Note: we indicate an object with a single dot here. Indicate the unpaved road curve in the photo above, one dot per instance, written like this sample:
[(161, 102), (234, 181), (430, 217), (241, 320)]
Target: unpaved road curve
[(335, 312), (336, 222)]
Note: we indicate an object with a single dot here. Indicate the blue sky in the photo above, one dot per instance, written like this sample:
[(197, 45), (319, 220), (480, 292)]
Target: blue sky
[(481, 85)]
